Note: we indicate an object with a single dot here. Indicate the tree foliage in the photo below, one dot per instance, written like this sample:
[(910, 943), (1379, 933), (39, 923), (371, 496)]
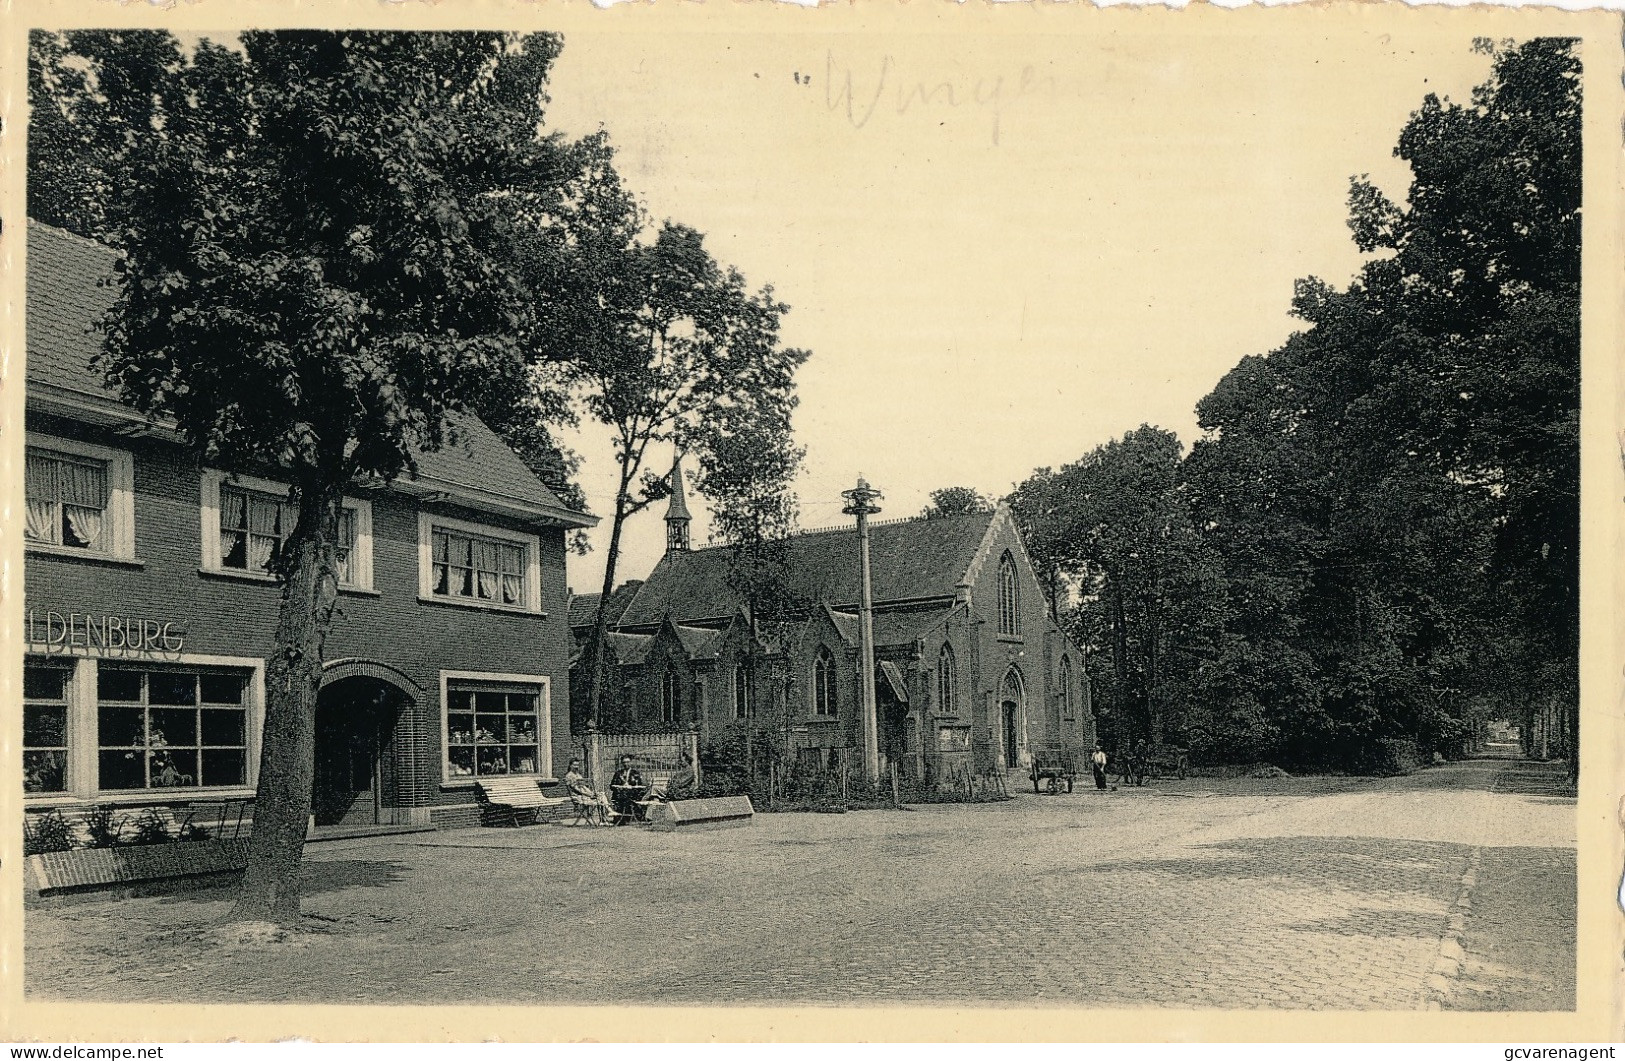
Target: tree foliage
[(956, 500), (1377, 534), (319, 237)]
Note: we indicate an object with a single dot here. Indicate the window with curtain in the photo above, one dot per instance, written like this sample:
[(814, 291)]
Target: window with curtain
[(67, 500), (743, 708), (1066, 689), (1009, 598), (947, 681), (670, 696), (824, 696), (254, 527), (476, 568)]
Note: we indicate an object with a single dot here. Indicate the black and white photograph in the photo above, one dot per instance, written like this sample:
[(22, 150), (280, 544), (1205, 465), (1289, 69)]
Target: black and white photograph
[(1043, 514)]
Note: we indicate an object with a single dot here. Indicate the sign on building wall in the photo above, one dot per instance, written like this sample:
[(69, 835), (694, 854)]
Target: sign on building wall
[(81, 633)]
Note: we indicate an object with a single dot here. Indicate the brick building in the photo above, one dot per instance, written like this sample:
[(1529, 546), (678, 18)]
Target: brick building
[(149, 613), (971, 670)]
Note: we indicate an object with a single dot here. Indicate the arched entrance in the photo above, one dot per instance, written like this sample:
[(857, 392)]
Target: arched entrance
[(1012, 708), (891, 717), (355, 781)]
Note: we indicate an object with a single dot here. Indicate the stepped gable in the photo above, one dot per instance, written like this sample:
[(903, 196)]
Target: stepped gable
[(71, 285), (909, 560)]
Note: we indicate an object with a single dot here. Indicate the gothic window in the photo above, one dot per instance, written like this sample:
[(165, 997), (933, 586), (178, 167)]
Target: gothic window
[(1066, 689), (669, 696), (947, 681), (742, 692), (824, 683), (1009, 598)]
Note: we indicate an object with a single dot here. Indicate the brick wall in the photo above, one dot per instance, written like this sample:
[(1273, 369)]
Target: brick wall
[(235, 617)]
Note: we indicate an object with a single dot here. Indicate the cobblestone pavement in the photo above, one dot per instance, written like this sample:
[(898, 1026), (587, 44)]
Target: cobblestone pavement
[(1317, 893)]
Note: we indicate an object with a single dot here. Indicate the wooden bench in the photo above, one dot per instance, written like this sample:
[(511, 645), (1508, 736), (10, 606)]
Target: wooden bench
[(502, 799)]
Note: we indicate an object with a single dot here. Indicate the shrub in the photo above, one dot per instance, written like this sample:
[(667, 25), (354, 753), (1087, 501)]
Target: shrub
[(152, 828), (105, 829), (47, 832)]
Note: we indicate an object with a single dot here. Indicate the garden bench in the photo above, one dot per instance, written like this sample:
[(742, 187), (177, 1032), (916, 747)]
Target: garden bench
[(502, 799)]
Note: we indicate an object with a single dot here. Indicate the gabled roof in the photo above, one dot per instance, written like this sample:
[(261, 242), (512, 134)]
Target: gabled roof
[(71, 285), (583, 610), (700, 642), (911, 559)]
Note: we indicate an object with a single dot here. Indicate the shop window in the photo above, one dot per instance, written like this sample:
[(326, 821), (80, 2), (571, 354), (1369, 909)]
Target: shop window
[(493, 729), (170, 729), (743, 708), (824, 694), (79, 498), (247, 523), (1009, 598), (45, 728), (480, 566)]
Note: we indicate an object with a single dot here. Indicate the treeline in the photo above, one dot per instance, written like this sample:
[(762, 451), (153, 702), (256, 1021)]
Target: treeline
[(1377, 534)]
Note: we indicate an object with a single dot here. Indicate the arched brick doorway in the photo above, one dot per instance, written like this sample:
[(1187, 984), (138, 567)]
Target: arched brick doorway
[(357, 771)]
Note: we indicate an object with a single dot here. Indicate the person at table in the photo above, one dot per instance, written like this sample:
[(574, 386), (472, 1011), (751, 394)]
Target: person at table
[(683, 784), (579, 787), (626, 788)]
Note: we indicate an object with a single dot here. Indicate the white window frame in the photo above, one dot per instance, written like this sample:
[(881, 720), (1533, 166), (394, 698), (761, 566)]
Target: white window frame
[(120, 512), (532, 544), (83, 730), (209, 528), (544, 722)]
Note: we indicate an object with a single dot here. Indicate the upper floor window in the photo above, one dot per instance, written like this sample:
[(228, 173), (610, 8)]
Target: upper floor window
[(743, 708), (947, 681), (467, 563), (669, 696), (80, 498), (1066, 689), (824, 696), (1009, 597), (247, 523)]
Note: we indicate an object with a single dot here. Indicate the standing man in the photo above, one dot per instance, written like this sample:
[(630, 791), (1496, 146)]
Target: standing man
[(1098, 761)]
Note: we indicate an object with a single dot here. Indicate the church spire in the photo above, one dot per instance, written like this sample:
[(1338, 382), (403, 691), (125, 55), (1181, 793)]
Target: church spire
[(677, 517)]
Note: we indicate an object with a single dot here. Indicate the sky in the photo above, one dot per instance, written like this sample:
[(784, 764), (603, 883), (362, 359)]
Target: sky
[(1001, 251)]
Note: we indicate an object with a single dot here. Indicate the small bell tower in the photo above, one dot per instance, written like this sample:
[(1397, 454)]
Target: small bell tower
[(677, 516)]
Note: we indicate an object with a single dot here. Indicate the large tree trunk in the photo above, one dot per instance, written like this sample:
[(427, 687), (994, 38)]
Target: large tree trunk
[(600, 623), (293, 678)]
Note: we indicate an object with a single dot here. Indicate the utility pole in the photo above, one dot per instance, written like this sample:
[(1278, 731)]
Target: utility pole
[(861, 503)]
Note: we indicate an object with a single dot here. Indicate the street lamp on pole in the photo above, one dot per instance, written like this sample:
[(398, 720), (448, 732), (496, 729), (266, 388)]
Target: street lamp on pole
[(860, 502)]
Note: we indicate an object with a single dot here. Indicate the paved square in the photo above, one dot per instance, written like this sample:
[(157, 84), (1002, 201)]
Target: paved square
[(1454, 887)]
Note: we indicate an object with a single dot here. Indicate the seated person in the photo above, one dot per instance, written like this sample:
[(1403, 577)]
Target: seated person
[(683, 784), (626, 788), (582, 791)]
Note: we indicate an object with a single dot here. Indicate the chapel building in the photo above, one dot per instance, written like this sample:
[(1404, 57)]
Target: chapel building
[(972, 672)]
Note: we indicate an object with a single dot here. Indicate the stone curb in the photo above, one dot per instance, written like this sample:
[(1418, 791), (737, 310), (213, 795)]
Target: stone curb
[(1452, 955)]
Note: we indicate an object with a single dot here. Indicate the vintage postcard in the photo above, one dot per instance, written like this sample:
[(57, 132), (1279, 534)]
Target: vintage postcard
[(937, 521)]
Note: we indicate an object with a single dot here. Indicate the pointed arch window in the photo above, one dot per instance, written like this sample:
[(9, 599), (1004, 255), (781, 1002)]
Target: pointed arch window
[(1009, 597), (947, 681), (670, 696), (824, 697), (1066, 689), (743, 707)]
